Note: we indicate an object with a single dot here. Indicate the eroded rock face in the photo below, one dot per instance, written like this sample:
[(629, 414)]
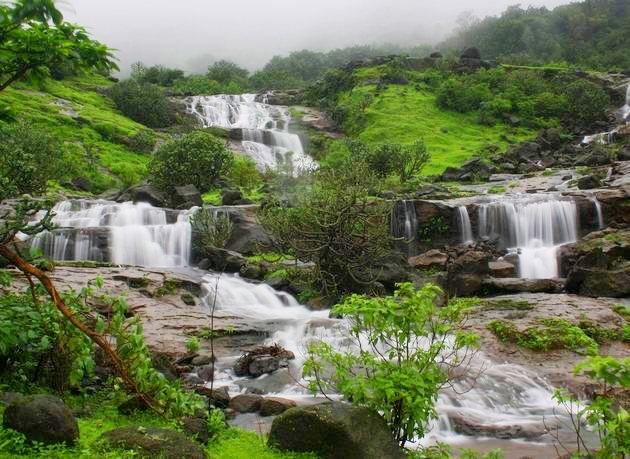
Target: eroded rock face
[(153, 442), (186, 196), (430, 259), (144, 193), (334, 430), (42, 418), (602, 266)]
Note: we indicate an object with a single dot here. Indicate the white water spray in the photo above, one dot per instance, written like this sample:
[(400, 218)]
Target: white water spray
[(464, 225)]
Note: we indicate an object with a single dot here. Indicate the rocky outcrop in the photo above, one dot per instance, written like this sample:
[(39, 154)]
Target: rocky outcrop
[(334, 430), (153, 442), (144, 193), (602, 266), (218, 398), (519, 284), (246, 403), (262, 360), (273, 406), (186, 196), (466, 272), (432, 259), (285, 97), (223, 260), (42, 418)]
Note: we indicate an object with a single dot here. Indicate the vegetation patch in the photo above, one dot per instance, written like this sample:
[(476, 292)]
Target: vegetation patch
[(506, 305)]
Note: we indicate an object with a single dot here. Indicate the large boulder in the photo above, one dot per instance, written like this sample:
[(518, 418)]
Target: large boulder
[(432, 259), (246, 403), (262, 360), (225, 260), (602, 266), (144, 193), (219, 398), (231, 197), (153, 442), (186, 196), (273, 406), (334, 431), (466, 272), (42, 418)]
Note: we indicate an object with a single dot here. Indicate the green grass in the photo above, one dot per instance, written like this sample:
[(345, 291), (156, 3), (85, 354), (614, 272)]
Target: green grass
[(94, 140), (239, 444), (404, 113)]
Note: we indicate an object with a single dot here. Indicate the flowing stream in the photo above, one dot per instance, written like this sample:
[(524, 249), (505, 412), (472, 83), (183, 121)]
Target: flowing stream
[(264, 127)]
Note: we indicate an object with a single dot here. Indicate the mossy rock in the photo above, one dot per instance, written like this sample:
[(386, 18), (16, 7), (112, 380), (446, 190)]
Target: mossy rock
[(334, 430), (153, 442)]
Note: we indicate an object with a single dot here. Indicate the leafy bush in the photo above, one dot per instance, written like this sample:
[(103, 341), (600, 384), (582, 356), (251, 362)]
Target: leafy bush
[(391, 373), (587, 102), (226, 73), (195, 85), (144, 103), (197, 158), (244, 173), (210, 230), (461, 96), (142, 141), (157, 74), (28, 159)]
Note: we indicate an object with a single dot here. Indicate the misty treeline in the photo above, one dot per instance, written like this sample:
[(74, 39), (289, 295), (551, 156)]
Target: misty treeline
[(593, 34)]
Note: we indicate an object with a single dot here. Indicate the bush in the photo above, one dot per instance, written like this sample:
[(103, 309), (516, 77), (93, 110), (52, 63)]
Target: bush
[(210, 230), (392, 374), (142, 141), (244, 173), (550, 105), (28, 159), (197, 158), (461, 96), (144, 103), (587, 102), (162, 76), (195, 85)]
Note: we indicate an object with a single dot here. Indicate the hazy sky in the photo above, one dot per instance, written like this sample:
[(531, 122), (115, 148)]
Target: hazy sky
[(191, 33)]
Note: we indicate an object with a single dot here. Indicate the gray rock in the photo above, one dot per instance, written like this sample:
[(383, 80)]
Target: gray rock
[(219, 397), (588, 182), (187, 196), (200, 360), (144, 193), (205, 372), (246, 403), (273, 406), (42, 418), (229, 197)]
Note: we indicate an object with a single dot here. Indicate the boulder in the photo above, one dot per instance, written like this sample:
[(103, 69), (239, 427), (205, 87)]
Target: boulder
[(201, 360), (624, 154), (187, 196), (153, 442), (230, 197), (471, 53), (430, 259), (436, 55), (246, 403), (206, 372), (132, 405), (519, 284), (273, 406), (262, 360), (451, 174), (197, 428), (144, 193), (334, 431), (219, 398), (588, 182), (225, 260), (42, 418), (480, 428), (500, 268)]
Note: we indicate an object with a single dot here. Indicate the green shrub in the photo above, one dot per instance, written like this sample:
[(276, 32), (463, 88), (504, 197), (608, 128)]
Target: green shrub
[(244, 173), (195, 85), (462, 96), (142, 141), (210, 230), (587, 102), (197, 158), (28, 159), (144, 103), (157, 74)]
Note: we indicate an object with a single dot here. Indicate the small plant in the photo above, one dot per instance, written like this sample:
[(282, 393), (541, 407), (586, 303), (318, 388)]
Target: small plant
[(210, 230), (192, 345), (436, 226), (497, 189)]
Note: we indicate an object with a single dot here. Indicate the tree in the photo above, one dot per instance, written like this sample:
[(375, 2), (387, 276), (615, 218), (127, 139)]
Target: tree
[(336, 226), (404, 346), (210, 230), (31, 46), (157, 74), (197, 158), (391, 158), (587, 102), (28, 159), (225, 72), (144, 103)]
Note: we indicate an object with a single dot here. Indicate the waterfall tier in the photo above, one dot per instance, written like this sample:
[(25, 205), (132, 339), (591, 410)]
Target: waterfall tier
[(266, 138), (125, 233)]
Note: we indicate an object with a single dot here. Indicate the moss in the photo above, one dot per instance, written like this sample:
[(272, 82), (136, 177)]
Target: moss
[(168, 287), (496, 189), (506, 305), (622, 310)]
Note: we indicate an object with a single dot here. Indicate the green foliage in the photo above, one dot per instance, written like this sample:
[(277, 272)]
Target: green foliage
[(229, 75), (144, 103), (434, 227), (336, 226), (192, 344), (587, 102), (608, 418), (244, 173), (35, 39), (455, 94), (28, 159), (241, 444), (142, 141), (157, 74), (552, 334), (197, 158), (391, 373), (195, 85), (210, 230)]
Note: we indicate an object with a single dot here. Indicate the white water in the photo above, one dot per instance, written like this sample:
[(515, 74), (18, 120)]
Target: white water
[(464, 225), (607, 138), (598, 212), (265, 128), (125, 233), (533, 227), (404, 225), (625, 110)]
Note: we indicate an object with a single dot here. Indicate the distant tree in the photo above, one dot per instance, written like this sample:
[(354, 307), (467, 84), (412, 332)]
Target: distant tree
[(34, 39), (587, 102), (225, 72), (144, 103), (157, 74), (197, 158), (28, 159)]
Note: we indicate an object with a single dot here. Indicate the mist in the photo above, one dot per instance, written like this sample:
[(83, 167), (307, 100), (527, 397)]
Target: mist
[(191, 34)]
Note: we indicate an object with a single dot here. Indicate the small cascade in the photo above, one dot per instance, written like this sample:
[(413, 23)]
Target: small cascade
[(122, 233), (625, 110), (598, 211), (534, 228), (265, 129), (404, 225), (465, 229), (607, 138)]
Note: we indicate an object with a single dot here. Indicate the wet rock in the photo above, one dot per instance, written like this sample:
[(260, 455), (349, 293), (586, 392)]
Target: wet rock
[(230, 197), (252, 271), (501, 268), (132, 405), (225, 260), (206, 372), (246, 403), (153, 442), (200, 360), (519, 284), (272, 383), (430, 259), (219, 398), (192, 379), (588, 182), (197, 428), (144, 193), (42, 418), (186, 196), (264, 359), (477, 428), (334, 430), (273, 406)]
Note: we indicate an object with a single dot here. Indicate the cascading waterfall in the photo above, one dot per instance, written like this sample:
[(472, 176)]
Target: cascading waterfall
[(404, 225), (265, 129), (606, 138), (125, 233), (598, 212), (625, 110), (532, 227), (465, 227)]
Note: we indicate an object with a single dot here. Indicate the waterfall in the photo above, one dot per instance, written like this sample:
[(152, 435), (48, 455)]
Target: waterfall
[(606, 138), (404, 225), (625, 110), (534, 228), (598, 212), (125, 233), (265, 129), (465, 228)]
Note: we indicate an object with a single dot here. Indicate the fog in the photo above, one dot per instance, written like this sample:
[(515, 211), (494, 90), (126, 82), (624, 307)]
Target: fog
[(190, 34)]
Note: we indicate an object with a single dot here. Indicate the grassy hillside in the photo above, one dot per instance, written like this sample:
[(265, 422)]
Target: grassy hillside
[(95, 137)]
